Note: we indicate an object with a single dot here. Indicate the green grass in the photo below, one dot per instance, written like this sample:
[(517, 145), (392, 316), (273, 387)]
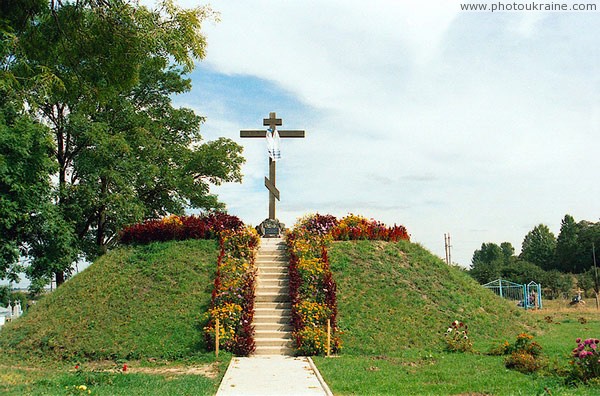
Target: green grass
[(397, 298), (133, 303), (53, 378), (395, 301), (142, 305)]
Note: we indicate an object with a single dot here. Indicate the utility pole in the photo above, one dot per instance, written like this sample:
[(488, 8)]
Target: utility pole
[(447, 248), (595, 275)]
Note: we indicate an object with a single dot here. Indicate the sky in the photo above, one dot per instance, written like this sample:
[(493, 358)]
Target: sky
[(477, 124)]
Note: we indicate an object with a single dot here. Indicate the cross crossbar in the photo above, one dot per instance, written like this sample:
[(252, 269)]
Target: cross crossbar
[(272, 122), (263, 134)]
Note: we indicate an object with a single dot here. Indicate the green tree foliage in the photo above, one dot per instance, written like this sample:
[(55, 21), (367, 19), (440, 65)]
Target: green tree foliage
[(25, 187), (492, 262), (522, 272), (4, 296), (487, 263), (588, 235), (538, 247), (567, 245), (574, 245), (101, 75), (557, 284)]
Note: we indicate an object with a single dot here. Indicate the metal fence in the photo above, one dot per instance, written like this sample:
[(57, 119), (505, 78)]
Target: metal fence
[(527, 296)]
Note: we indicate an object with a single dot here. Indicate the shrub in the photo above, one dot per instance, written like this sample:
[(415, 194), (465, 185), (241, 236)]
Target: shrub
[(317, 224), (586, 359), (457, 338), (313, 341), (525, 355), (176, 227), (523, 362), (354, 227)]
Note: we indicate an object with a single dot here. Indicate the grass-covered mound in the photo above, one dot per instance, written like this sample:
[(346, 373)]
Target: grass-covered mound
[(134, 302), (398, 297)]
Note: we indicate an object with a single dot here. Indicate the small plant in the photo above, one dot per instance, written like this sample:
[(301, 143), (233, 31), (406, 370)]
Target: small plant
[(501, 349), (457, 338), (525, 354), (522, 362), (78, 390), (586, 359)]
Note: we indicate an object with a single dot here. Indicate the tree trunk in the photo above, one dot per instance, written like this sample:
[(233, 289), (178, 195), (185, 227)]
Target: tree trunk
[(101, 226), (60, 278)]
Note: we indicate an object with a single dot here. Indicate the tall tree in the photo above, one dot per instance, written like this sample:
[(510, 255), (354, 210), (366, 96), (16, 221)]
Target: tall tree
[(567, 245), (538, 247), (588, 235), (487, 263), (123, 152), (25, 184)]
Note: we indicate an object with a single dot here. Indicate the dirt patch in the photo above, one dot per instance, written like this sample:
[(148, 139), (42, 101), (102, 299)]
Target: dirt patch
[(209, 370), (206, 370)]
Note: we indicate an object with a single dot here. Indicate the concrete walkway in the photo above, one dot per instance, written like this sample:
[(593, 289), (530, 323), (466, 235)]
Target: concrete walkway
[(272, 375)]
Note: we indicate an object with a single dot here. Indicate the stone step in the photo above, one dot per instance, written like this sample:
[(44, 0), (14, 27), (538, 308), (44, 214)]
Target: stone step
[(280, 342), (264, 306), (272, 274), (281, 248), (261, 262), (282, 281), (273, 277), (278, 264), (273, 350), (272, 269), (271, 297), (273, 289), (271, 318), (269, 326), (275, 253), (272, 335)]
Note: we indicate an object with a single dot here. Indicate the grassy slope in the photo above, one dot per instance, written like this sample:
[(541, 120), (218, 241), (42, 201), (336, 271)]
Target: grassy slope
[(397, 297), (135, 302)]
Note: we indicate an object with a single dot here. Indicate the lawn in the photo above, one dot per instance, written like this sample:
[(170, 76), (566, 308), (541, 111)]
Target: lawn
[(443, 373), (197, 376)]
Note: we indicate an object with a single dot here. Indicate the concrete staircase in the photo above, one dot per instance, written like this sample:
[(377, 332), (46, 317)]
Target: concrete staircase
[(272, 306)]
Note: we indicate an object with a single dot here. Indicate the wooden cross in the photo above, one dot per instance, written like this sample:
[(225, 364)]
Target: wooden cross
[(272, 122)]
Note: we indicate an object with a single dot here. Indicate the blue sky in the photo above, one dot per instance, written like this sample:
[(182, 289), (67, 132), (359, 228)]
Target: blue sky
[(477, 124)]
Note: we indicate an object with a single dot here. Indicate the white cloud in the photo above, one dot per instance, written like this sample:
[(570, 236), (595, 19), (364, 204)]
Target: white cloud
[(481, 125)]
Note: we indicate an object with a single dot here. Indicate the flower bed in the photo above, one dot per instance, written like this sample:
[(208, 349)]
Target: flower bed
[(312, 291), (233, 293), (354, 227), (180, 228)]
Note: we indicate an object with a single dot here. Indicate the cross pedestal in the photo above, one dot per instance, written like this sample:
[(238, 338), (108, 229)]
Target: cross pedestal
[(271, 227)]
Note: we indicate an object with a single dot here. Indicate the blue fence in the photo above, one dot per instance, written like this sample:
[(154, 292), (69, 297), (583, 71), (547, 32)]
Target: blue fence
[(527, 295)]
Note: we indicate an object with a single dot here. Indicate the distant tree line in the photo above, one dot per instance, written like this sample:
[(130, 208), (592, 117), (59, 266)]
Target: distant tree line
[(552, 261), (89, 138)]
